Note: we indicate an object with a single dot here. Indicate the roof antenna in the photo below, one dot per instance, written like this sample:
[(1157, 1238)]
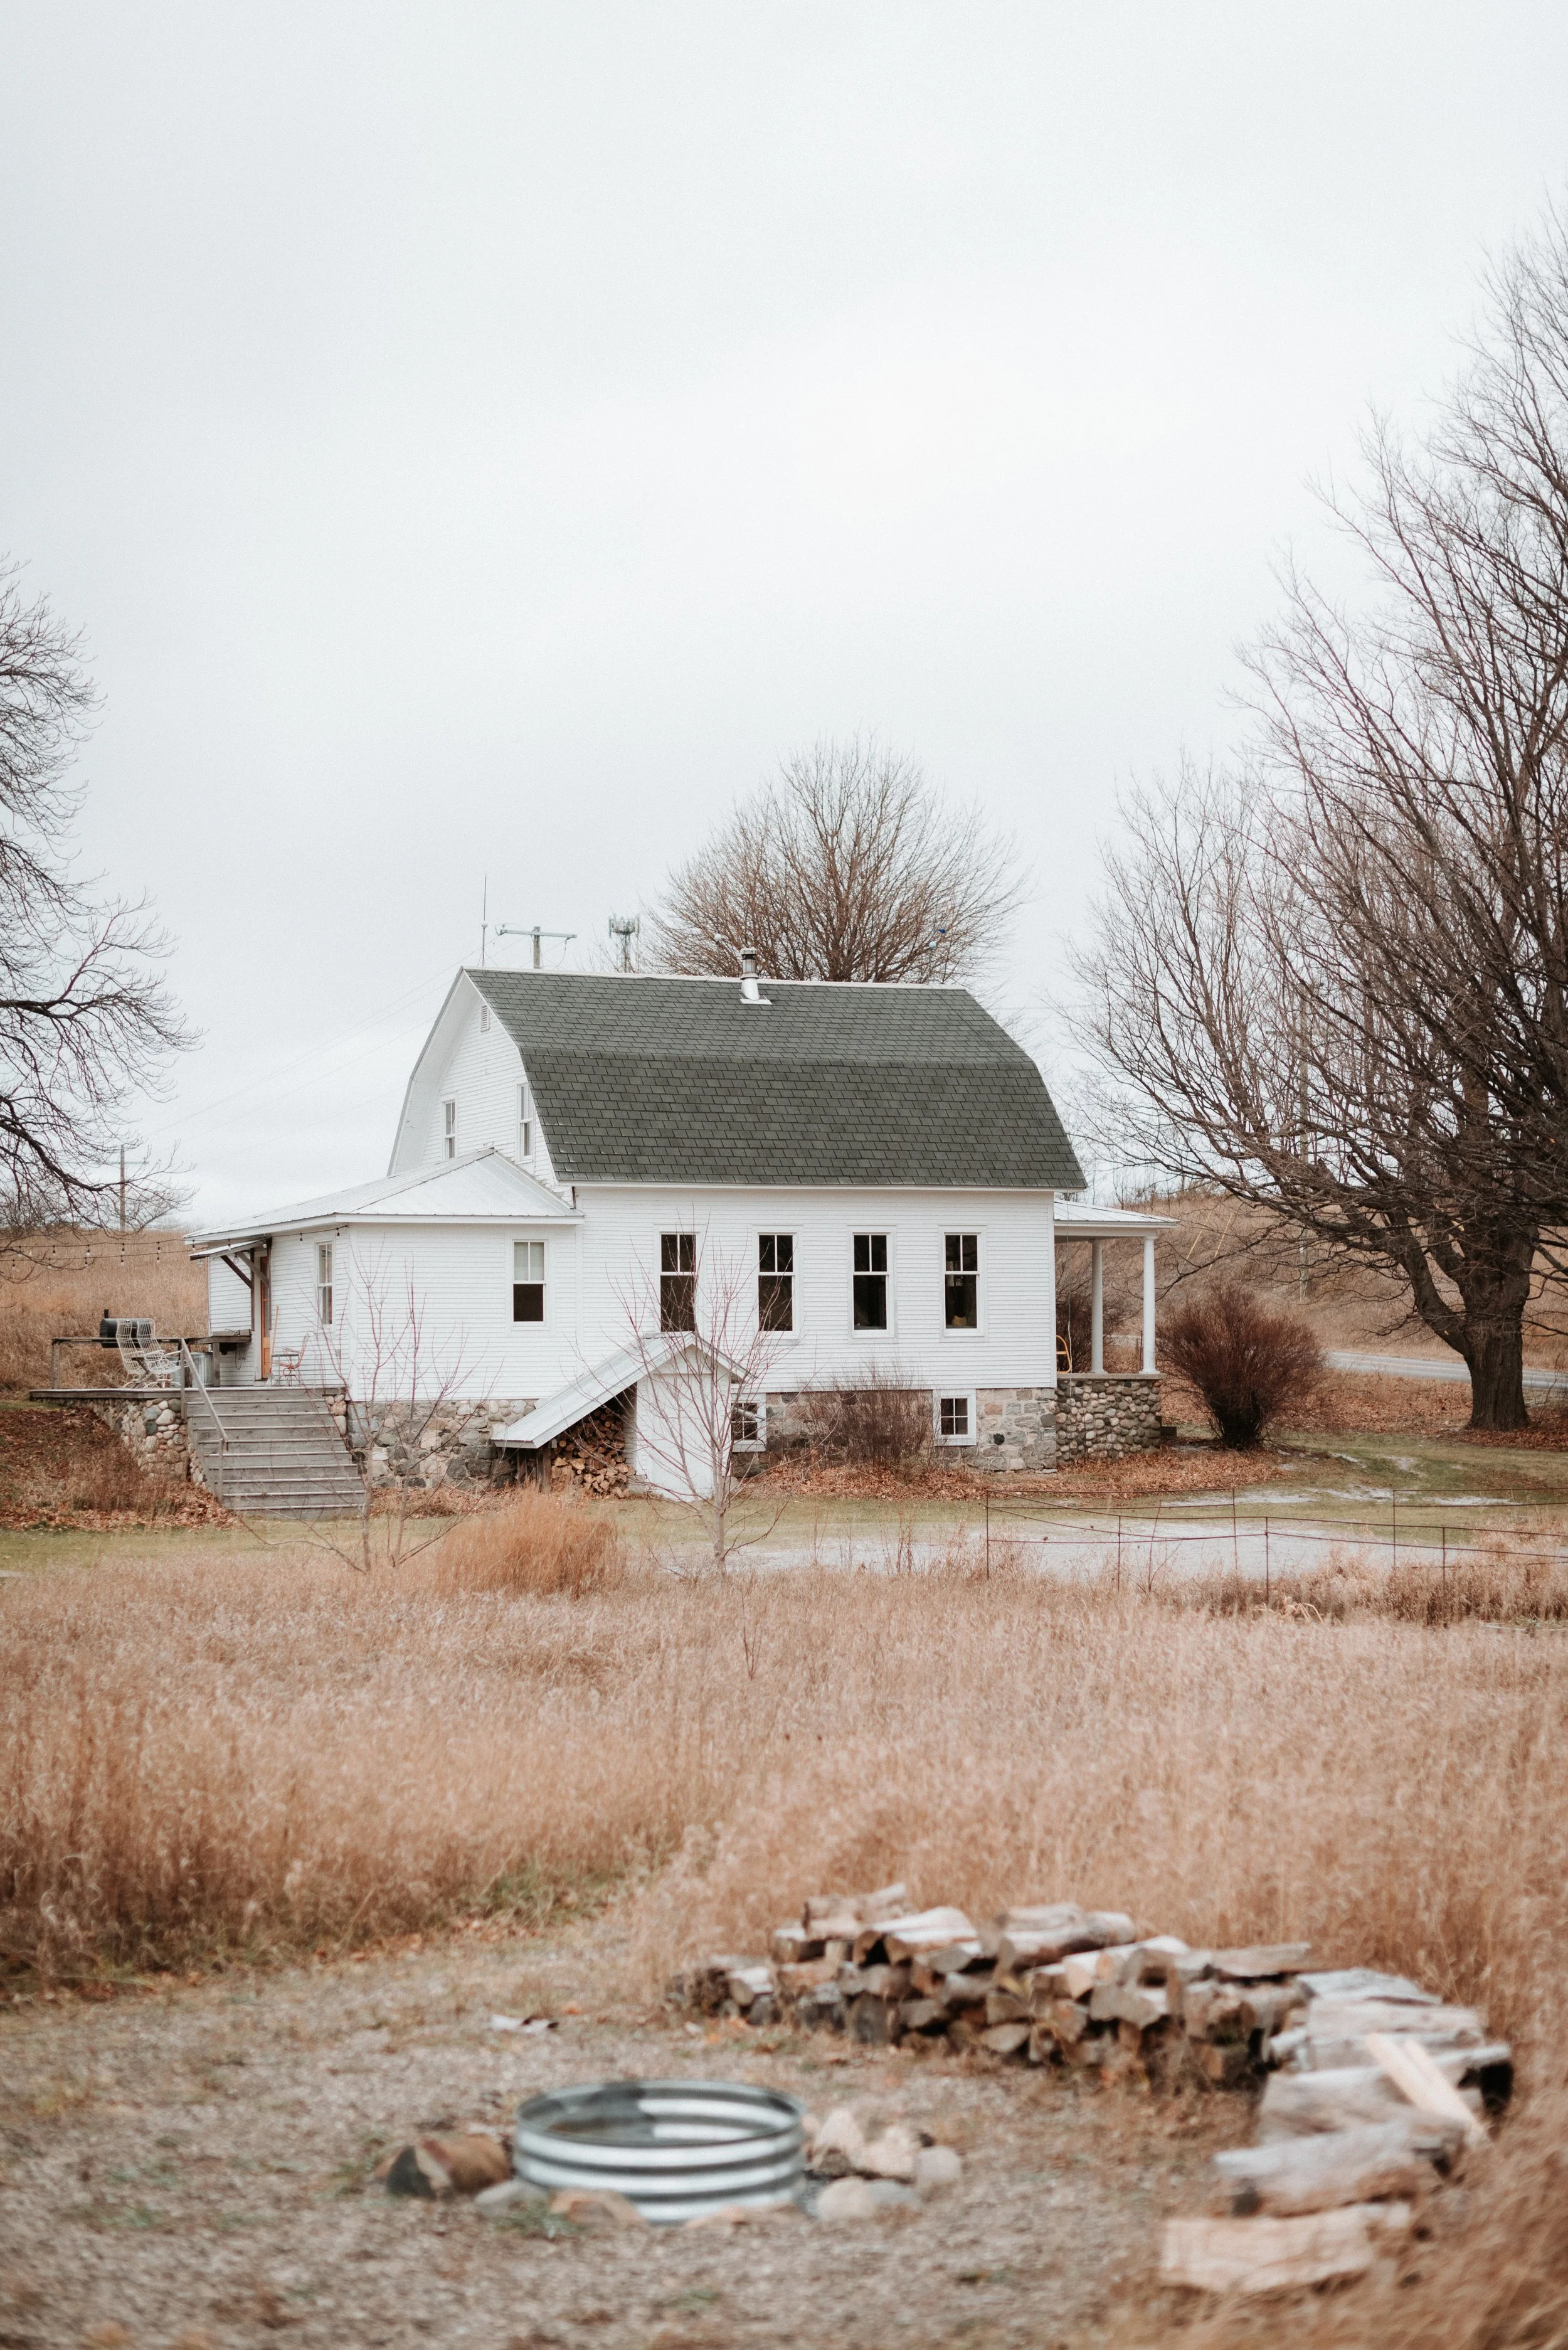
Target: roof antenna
[(522, 931), (624, 928)]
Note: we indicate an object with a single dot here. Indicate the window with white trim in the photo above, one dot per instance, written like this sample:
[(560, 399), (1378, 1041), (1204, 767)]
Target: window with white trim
[(869, 1281), (955, 1419), (960, 1281), (748, 1425), (678, 1281), (485, 1019), (324, 1282), (449, 1129), (776, 1281), (524, 1124), (528, 1281)]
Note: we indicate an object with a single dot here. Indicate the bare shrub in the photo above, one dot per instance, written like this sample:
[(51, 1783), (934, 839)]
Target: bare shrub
[(539, 1544), (1248, 1362), (879, 1421)]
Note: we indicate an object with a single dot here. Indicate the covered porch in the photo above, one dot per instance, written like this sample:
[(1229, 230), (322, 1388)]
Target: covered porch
[(1077, 1221)]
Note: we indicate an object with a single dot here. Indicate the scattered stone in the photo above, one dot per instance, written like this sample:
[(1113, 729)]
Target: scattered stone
[(937, 2166), (892, 2156), (597, 2210), (448, 2165), (507, 2196), (839, 2145), (845, 2199)]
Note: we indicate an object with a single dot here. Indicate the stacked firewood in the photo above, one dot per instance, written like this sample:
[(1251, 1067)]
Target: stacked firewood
[(592, 1455), (1092, 1990), (1374, 2088)]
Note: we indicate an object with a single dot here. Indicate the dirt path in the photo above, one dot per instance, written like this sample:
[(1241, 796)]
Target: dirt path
[(194, 2167)]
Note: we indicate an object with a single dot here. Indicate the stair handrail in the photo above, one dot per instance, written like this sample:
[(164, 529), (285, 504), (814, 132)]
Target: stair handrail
[(189, 1379)]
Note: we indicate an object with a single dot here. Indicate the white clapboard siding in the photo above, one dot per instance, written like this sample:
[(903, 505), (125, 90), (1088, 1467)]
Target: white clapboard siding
[(481, 1070), (456, 1281)]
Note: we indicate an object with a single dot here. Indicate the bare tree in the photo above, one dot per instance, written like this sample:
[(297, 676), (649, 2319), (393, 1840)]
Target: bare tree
[(849, 866), (701, 1406), (85, 1022)]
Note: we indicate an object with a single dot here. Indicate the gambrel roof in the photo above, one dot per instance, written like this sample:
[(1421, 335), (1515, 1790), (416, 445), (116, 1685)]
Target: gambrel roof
[(655, 1080)]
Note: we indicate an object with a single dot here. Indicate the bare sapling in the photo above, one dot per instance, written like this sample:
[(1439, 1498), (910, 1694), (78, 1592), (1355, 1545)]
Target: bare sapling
[(396, 1371), (702, 1358)]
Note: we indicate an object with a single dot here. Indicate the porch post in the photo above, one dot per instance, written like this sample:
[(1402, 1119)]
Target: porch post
[(1148, 1301), (1097, 1307)]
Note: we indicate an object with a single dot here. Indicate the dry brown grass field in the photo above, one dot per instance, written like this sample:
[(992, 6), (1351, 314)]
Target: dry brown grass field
[(51, 1285), (258, 1755)]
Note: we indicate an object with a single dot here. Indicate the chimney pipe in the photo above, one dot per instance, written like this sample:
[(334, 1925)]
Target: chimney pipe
[(749, 991)]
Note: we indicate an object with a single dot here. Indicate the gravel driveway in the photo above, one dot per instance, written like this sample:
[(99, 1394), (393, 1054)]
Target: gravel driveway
[(192, 2166)]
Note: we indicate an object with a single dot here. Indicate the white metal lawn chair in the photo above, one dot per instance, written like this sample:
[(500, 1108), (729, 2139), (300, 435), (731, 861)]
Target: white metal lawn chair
[(148, 1363)]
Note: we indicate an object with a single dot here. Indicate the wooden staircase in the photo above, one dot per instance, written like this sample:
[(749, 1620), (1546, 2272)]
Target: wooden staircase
[(272, 1452)]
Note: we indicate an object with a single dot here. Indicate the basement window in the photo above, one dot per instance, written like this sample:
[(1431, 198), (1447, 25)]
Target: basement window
[(449, 1129), (748, 1425), (324, 1282), (678, 1281), (960, 1302), (870, 1280), (776, 1281), (955, 1419), (528, 1281)]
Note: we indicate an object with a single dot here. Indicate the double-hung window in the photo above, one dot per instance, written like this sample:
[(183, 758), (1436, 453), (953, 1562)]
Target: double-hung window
[(678, 1281), (449, 1129), (776, 1281), (528, 1281), (870, 1280), (324, 1282), (524, 1124), (960, 1286)]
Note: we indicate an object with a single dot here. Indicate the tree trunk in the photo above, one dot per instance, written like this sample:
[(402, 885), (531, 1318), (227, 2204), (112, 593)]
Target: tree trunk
[(1495, 1353), (1495, 1288)]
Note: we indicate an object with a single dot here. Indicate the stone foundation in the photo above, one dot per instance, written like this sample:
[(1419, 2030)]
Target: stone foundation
[(424, 1446), (1102, 1415), (1017, 1430), (153, 1433)]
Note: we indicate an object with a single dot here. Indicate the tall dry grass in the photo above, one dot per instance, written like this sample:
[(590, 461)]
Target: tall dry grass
[(284, 1753), (51, 1287)]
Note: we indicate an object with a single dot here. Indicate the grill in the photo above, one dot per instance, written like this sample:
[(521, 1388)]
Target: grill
[(675, 2149)]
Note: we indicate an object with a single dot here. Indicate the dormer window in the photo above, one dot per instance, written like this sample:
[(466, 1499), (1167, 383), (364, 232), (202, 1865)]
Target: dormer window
[(449, 1129)]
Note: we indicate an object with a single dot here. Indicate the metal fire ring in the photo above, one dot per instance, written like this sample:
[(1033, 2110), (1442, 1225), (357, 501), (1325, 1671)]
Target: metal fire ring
[(675, 2149)]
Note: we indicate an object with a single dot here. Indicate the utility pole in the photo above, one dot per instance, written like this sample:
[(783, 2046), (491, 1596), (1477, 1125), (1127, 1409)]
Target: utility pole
[(524, 931)]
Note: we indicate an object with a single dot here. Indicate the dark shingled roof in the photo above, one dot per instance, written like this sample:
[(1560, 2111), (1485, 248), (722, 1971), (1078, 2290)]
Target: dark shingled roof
[(678, 1081)]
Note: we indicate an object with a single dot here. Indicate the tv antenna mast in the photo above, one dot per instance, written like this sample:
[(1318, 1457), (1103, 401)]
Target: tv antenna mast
[(527, 931), (623, 928)]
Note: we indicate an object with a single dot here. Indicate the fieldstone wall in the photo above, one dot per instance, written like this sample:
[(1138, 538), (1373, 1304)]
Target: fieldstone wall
[(1101, 1416), (1017, 1430), (153, 1432), (423, 1445)]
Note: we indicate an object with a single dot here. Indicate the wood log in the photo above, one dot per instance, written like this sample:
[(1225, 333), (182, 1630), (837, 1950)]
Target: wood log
[(1411, 2069), (1265, 2255), (1267, 2007), (1260, 1959), (792, 1946), (1365, 1983), (1211, 2009), (1039, 1917), (1006, 2007), (1067, 2021), (957, 1958), (968, 1991), (1296, 2103), (1288, 2176), (872, 2021), (915, 1933), (1080, 1972), (1353, 2019), (793, 1980), (1005, 2039), (1138, 2004), (885, 1981), (924, 2015)]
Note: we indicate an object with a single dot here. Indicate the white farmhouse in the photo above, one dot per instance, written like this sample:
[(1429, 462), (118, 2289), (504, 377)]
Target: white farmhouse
[(827, 1183)]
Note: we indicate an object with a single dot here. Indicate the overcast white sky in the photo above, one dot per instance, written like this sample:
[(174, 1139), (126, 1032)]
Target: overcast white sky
[(480, 439)]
